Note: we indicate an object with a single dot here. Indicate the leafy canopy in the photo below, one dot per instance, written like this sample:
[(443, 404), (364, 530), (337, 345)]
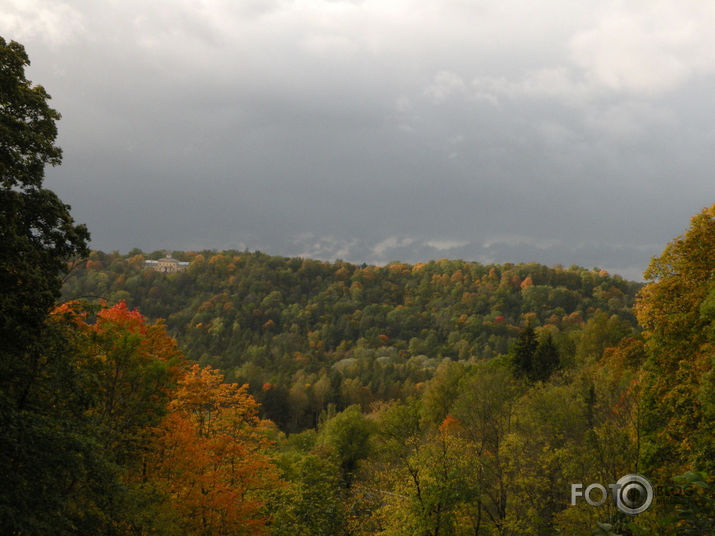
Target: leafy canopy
[(37, 234)]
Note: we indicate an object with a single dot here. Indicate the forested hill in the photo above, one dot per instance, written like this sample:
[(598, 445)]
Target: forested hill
[(285, 324)]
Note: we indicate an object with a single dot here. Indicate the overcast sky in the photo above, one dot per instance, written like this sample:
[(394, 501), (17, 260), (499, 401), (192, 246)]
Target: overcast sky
[(572, 132)]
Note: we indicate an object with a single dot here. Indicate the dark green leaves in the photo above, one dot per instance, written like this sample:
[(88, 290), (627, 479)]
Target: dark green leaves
[(27, 123)]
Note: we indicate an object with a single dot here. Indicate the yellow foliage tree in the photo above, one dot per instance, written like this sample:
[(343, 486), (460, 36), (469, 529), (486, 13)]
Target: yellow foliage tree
[(677, 312)]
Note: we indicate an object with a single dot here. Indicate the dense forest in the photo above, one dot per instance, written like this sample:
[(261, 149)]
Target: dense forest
[(255, 395), (306, 334), (442, 398)]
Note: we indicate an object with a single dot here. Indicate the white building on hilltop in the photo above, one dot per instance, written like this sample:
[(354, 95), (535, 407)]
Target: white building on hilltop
[(167, 265)]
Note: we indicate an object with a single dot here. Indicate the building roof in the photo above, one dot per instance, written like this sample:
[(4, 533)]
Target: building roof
[(167, 259)]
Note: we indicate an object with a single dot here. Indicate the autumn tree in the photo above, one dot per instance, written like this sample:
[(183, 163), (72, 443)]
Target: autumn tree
[(441, 391), (600, 332), (210, 456), (87, 424), (135, 365), (677, 312)]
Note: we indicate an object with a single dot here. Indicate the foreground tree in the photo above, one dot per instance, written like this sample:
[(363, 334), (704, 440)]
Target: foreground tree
[(313, 502), (347, 437), (677, 312), (70, 455), (210, 457), (37, 234), (46, 449)]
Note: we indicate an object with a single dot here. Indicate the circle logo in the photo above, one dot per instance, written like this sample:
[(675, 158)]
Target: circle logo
[(634, 494)]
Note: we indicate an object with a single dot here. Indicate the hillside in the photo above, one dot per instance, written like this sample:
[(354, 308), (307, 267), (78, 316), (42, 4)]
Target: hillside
[(308, 333)]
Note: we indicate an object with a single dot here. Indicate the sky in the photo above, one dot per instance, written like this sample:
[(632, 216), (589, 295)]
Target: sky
[(562, 132)]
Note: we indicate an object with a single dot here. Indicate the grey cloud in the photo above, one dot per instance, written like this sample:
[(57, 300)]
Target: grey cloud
[(374, 131)]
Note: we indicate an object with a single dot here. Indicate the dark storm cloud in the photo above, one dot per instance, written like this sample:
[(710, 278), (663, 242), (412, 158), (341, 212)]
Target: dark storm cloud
[(378, 131)]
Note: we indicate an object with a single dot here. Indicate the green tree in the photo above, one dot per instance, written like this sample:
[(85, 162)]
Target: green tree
[(600, 332), (524, 352), (312, 504), (691, 505), (45, 453), (441, 391), (546, 359), (348, 436), (37, 234), (484, 408)]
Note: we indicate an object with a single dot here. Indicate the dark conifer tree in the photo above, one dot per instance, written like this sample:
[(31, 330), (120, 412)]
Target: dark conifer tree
[(546, 359), (524, 352)]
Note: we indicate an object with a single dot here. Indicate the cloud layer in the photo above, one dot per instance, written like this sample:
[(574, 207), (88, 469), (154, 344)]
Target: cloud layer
[(560, 132)]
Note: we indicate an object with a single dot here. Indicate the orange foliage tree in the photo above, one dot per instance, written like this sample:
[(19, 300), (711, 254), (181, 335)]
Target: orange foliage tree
[(130, 367), (115, 376), (190, 450), (211, 456)]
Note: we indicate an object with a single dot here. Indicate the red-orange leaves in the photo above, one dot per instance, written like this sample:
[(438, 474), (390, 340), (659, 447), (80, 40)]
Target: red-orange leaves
[(185, 434), (120, 315)]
